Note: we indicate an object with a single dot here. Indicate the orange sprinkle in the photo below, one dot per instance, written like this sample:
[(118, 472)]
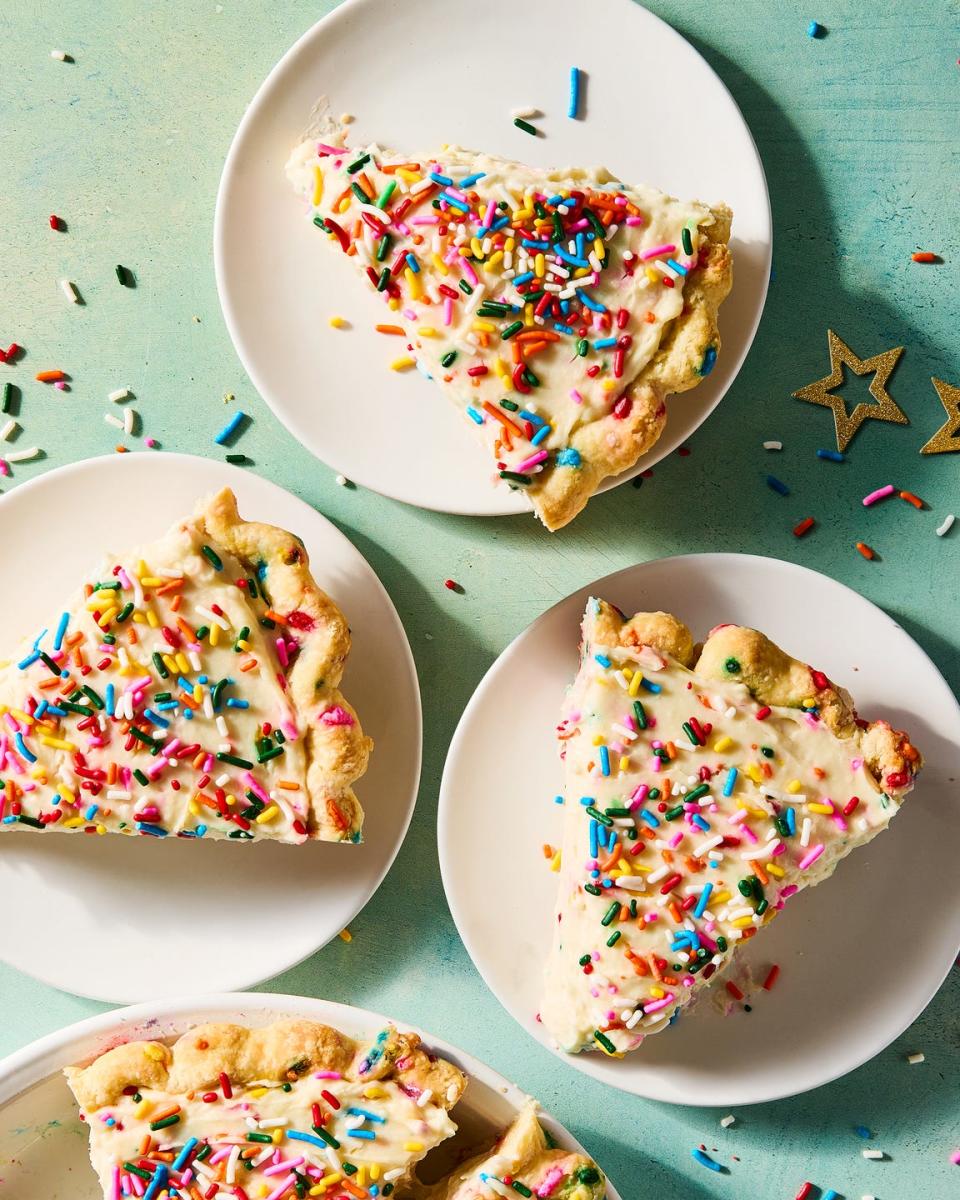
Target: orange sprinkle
[(288, 785), (120, 449), (911, 499), (865, 550), (501, 417), (51, 376), (926, 256), (760, 872), (547, 850), (248, 665), (394, 329), (175, 603)]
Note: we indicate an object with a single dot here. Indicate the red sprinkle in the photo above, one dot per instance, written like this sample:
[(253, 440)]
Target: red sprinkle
[(734, 990), (771, 978), (804, 527), (330, 1098), (452, 585), (866, 550), (225, 1086), (763, 713), (55, 222), (851, 805), (804, 1191)]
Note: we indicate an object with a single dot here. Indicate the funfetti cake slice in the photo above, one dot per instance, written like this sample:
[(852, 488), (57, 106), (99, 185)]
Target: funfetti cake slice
[(191, 688), (525, 1157), (289, 1110), (704, 788), (556, 308)]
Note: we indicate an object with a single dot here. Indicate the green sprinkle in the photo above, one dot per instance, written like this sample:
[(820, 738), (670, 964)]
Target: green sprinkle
[(521, 1188), (112, 586), (672, 813), (617, 812), (360, 194), (604, 1041), (762, 906), (202, 631), (595, 225), (688, 730), (123, 275), (610, 913), (614, 937), (327, 1137), (382, 247), (141, 736), (160, 665), (687, 240), (524, 125), (384, 279), (531, 379), (212, 557), (465, 287), (140, 777), (124, 613), (110, 639), (732, 666), (173, 1119), (592, 889), (766, 751), (448, 359), (584, 959), (509, 405), (252, 588), (233, 760), (259, 1137), (640, 713), (81, 709), (241, 637), (265, 755), (598, 816), (582, 347), (653, 794), (93, 696), (7, 403), (588, 1175), (136, 1170), (31, 821), (515, 477), (360, 162), (722, 944), (349, 1168), (238, 460), (695, 793), (511, 329), (384, 198)]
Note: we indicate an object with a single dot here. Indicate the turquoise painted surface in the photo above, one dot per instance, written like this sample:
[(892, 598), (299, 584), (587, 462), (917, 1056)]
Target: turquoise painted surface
[(858, 133)]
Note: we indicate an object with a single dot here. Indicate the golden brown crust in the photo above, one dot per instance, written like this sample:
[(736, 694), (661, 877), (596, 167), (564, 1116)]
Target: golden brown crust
[(736, 654), (337, 749), (282, 1051), (612, 445)]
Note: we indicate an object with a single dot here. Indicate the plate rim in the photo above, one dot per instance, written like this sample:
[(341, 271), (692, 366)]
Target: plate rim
[(446, 801), (244, 980), (41, 1059), (503, 503)]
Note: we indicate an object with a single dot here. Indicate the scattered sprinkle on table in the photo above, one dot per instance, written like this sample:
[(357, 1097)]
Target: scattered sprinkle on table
[(341, 481), (345, 935), (942, 529), (61, 56), (704, 1159), (8, 430), (51, 376), (525, 126), (804, 1191), (119, 395), (23, 455), (867, 551), (875, 1155), (918, 1057), (124, 275), (925, 256), (777, 485), (231, 427), (816, 30), (6, 403), (573, 105), (339, 322), (235, 460), (863, 1131), (773, 445), (771, 978), (804, 527), (403, 364), (525, 112), (70, 291), (832, 455), (911, 499), (452, 586), (880, 494), (56, 223), (727, 1121)]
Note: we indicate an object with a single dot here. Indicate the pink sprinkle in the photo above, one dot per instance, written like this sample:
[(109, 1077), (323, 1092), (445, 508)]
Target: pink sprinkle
[(955, 1158), (533, 461), (61, 385), (879, 494), (575, 396), (634, 221), (472, 275), (323, 149), (284, 1186), (336, 716), (327, 1075), (655, 251), (638, 796), (279, 1167), (4, 467), (255, 787), (657, 1005), (811, 857), (151, 442), (551, 1179), (655, 763), (677, 839), (281, 646), (425, 221), (115, 1192), (751, 836), (448, 311)]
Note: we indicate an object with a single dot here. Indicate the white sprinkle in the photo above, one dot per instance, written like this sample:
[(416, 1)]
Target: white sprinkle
[(119, 395), (23, 455), (805, 832), (341, 481), (112, 420), (631, 883), (69, 291), (913, 1059), (525, 112), (659, 873), (59, 55), (868, 1198), (875, 1154), (773, 445), (726, 1122), (424, 1098), (129, 417), (8, 430), (947, 525)]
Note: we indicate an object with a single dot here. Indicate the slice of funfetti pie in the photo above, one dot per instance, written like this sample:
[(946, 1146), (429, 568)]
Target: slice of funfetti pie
[(190, 688), (704, 788), (556, 308), (289, 1110), (524, 1156)]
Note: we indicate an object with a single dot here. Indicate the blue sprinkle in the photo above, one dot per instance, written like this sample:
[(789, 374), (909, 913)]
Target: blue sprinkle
[(55, 710), (452, 200), (524, 278), (578, 242), (604, 343), (21, 746), (607, 883), (540, 435), (156, 719), (650, 819), (831, 1194), (413, 264), (777, 485), (604, 760), (672, 262), (531, 416), (570, 258), (61, 631), (574, 102), (730, 782), (41, 709), (602, 660), (832, 455), (705, 1160), (558, 799), (168, 704), (180, 1161), (569, 458), (367, 1115), (534, 245), (792, 820), (201, 830), (154, 831), (499, 224), (815, 30), (562, 328), (296, 1136), (231, 427), (709, 360), (589, 302), (701, 823), (703, 901), (188, 714), (469, 180), (586, 801), (650, 687), (8, 820), (158, 1181), (863, 1131), (111, 699), (91, 812), (443, 180), (26, 662), (367, 1135), (56, 800), (474, 415), (594, 839), (233, 702)]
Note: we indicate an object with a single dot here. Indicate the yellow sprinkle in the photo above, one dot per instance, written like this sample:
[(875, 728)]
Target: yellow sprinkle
[(73, 822), (721, 898), (427, 331), (809, 702), (635, 682), (277, 1135), (336, 322), (413, 1147), (153, 581), (624, 762), (101, 830), (722, 744), (342, 207), (494, 258), (624, 866), (142, 569), (22, 716), (39, 773), (317, 186), (439, 264), (754, 772), (57, 743), (794, 786), (256, 1093), (775, 870), (169, 663), (821, 808), (523, 214), (183, 663), (66, 793), (528, 315), (214, 635), (403, 364), (409, 176), (501, 368), (540, 265), (243, 644), (375, 1169), (373, 1091), (484, 326), (360, 1179), (599, 740), (476, 248), (657, 993), (139, 618), (556, 862), (107, 617), (413, 283), (393, 305), (743, 922), (194, 808), (345, 935), (581, 271), (268, 815), (759, 813), (143, 1108), (598, 247), (510, 244)]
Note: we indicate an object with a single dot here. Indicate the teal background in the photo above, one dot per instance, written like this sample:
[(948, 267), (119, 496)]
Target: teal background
[(859, 137)]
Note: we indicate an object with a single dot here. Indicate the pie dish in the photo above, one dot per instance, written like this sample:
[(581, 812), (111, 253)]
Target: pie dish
[(557, 309), (704, 786), (191, 688), (297, 1108)]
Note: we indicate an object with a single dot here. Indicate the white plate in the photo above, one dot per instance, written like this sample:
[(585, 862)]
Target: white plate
[(279, 283), (82, 935), (861, 956), (43, 1145)]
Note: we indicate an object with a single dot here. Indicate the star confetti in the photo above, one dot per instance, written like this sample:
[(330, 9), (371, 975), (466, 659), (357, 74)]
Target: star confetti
[(947, 437), (880, 366)]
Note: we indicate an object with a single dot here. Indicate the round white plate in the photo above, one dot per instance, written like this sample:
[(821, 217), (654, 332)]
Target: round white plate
[(861, 956), (43, 1145), (88, 932), (279, 283)]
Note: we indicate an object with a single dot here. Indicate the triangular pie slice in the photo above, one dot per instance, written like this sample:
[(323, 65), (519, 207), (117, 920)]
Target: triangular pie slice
[(556, 308), (704, 788), (292, 1109), (524, 1162), (190, 689)]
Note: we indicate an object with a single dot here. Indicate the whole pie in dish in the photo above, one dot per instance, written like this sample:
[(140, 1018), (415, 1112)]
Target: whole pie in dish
[(556, 308), (705, 786), (299, 1109), (190, 689)]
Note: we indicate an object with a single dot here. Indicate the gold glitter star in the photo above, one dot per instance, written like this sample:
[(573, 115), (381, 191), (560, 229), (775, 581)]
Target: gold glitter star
[(881, 366), (947, 437)]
